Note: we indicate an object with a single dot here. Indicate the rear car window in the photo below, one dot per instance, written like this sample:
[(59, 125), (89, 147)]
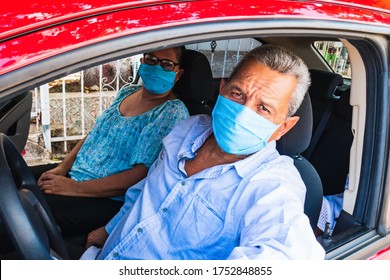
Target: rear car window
[(224, 55), (336, 56)]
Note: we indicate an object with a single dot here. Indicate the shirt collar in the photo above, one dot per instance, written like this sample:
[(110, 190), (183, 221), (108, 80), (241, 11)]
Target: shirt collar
[(190, 146), (253, 161)]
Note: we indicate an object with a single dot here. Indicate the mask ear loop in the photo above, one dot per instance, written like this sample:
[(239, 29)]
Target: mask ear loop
[(279, 125)]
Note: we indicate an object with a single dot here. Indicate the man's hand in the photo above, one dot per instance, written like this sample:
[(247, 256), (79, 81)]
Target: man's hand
[(57, 184), (97, 237)]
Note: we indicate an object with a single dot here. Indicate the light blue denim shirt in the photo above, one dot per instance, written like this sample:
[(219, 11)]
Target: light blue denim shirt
[(250, 209)]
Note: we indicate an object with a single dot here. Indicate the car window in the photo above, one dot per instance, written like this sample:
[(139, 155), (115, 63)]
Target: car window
[(336, 56), (65, 110)]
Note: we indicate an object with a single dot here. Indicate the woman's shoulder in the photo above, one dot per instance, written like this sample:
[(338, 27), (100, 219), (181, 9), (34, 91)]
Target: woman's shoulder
[(126, 91), (129, 89), (174, 105)]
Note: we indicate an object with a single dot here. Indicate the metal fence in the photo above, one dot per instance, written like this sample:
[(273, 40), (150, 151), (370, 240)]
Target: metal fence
[(66, 109)]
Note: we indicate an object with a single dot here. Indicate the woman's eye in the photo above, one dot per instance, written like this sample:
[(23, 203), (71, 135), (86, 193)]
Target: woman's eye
[(150, 61), (165, 64)]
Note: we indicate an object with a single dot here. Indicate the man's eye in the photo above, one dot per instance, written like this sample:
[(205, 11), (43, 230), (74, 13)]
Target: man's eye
[(237, 95), (263, 108)]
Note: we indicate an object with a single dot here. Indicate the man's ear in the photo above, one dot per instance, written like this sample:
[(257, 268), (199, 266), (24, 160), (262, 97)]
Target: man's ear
[(284, 128)]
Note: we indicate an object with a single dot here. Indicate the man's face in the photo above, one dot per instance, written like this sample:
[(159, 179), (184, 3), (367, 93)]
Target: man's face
[(264, 91)]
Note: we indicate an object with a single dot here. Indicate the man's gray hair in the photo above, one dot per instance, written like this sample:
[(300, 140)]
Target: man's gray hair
[(283, 61)]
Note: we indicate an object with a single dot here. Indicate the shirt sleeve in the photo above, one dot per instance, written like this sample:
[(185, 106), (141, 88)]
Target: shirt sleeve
[(130, 198), (274, 226), (149, 143)]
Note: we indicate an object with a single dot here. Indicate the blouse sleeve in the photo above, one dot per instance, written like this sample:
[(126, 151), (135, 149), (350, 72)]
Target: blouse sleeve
[(149, 143)]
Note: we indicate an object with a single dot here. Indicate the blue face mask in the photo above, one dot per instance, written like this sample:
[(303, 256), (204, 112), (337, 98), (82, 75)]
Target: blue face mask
[(156, 79), (239, 130)]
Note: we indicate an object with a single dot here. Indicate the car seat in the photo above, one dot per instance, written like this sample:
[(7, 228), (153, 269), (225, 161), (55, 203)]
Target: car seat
[(329, 149), (332, 152), (195, 87), (323, 88), (293, 144)]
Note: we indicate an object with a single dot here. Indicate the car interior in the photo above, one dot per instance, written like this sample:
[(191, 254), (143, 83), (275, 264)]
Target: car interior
[(326, 144)]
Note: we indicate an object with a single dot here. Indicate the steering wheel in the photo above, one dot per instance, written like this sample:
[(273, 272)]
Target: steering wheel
[(24, 211)]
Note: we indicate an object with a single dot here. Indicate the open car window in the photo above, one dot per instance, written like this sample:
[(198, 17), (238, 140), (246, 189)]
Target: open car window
[(336, 56)]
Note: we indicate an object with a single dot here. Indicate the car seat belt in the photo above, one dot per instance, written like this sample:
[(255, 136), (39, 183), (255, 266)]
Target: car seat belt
[(320, 129)]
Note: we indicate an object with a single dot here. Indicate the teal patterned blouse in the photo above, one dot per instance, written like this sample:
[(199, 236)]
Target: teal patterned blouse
[(117, 143)]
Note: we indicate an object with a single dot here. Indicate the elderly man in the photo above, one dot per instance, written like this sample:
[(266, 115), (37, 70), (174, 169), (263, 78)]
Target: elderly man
[(220, 189)]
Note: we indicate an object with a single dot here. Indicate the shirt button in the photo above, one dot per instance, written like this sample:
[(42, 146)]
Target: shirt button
[(140, 230), (183, 183), (181, 156), (164, 210), (116, 254)]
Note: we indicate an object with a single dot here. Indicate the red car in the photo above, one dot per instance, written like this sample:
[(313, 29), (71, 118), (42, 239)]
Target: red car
[(346, 45)]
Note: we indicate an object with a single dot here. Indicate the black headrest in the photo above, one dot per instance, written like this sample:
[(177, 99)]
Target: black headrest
[(323, 84), (196, 84), (298, 138)]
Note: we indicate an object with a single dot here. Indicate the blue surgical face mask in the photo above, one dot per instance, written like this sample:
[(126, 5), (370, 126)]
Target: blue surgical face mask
[(239, 130), (156, 79)]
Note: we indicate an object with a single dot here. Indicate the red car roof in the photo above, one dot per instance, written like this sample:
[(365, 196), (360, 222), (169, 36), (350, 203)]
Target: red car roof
[(383, 5), (21, 17), (40, 29)]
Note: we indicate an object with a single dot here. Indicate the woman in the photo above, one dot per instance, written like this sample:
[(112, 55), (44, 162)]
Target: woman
[(87, 189)]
